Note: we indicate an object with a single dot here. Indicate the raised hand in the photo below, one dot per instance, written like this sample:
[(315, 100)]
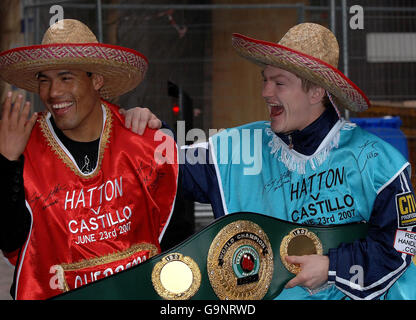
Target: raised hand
[(15, 127)]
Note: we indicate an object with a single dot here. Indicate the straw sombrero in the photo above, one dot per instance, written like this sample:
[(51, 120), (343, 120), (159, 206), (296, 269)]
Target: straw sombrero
[(70, 44), (310, 51)]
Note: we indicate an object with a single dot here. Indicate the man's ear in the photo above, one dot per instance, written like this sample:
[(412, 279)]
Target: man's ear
[(316, 94), (97, 81)]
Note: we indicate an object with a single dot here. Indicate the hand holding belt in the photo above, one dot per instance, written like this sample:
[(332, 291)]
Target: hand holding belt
[(239, 256)]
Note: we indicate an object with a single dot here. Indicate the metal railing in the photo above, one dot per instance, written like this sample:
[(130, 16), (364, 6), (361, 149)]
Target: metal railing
[(151, 26)]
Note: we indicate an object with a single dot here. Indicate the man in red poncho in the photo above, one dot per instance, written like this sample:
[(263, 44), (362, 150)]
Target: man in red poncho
[(83, 197)]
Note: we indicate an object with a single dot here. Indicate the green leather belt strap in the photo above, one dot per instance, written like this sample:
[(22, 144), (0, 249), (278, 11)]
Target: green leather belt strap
[(249, 244)]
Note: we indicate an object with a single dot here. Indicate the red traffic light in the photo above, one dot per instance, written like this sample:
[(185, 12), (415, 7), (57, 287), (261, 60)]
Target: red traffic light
[(175, 109)]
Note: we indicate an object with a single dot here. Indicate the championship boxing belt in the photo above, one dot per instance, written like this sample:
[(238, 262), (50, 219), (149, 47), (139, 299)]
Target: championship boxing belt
[(239, 256)]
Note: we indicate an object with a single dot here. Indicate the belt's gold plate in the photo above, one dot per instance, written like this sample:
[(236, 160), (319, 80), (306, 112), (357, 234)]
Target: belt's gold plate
[(240, 262), (299, 242), (176, 277)]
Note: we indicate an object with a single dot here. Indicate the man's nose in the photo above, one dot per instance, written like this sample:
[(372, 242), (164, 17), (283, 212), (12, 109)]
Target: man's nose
[(267, 91), (55, 89)]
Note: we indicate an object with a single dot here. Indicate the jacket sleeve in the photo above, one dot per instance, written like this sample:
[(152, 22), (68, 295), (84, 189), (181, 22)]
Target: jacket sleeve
[(199, 177), (366, 268), (16, 218)]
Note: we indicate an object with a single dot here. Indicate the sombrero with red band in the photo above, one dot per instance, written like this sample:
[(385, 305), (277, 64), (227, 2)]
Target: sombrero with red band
[(70, 44), (310, 51)]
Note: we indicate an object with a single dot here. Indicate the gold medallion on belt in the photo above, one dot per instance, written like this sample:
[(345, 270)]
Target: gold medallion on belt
[(240, 262), (176, 277), (299, 242)]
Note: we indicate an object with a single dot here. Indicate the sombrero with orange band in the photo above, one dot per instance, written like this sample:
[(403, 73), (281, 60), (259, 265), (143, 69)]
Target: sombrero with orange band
[(310, 51), (70, 44)]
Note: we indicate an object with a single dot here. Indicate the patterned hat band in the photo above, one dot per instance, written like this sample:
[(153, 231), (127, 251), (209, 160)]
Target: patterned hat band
[(311, 52), (70, 44)]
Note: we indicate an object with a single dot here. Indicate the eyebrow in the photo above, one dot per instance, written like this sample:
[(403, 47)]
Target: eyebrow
[(40, 74), (63, 73), (275, 77)]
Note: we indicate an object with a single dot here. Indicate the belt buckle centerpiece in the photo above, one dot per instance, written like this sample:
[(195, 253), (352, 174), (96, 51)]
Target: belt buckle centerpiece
[(240, 262)]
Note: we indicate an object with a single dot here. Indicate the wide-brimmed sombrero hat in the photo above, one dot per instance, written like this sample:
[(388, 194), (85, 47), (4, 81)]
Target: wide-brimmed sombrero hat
[(70, 44), (310, 51)]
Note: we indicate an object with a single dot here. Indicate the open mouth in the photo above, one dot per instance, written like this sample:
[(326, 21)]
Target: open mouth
[(61, 108), (275, 110)]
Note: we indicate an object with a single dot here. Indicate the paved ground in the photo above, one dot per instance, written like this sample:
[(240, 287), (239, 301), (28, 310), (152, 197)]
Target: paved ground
[(6, 274)]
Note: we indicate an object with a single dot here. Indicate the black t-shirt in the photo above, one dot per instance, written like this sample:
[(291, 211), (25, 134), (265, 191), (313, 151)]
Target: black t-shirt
[(84, 153)]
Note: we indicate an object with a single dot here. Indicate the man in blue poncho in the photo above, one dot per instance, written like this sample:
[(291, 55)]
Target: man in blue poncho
[(309, 166)]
